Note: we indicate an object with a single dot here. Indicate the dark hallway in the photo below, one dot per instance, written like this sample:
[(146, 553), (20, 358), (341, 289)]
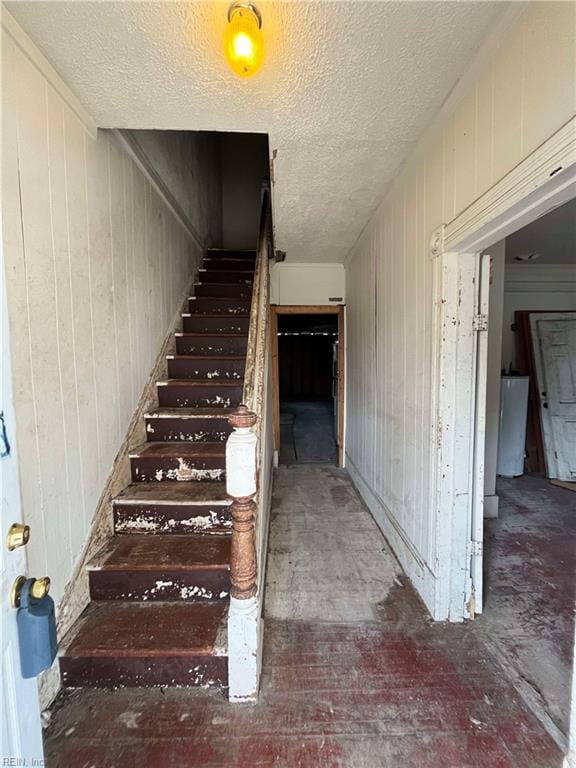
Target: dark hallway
[(308, 386)]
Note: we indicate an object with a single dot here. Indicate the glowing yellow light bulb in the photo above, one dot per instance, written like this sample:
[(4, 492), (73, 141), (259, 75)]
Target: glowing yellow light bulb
[(243, 42)]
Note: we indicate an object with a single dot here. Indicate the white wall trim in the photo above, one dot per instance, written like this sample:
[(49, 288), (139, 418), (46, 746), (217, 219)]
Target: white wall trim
[(541, 182), (133, 149), (32, 53), (453, 438), (540, 278)]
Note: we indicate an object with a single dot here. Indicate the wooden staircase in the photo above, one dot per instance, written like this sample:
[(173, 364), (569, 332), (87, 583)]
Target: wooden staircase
[(160, 587)]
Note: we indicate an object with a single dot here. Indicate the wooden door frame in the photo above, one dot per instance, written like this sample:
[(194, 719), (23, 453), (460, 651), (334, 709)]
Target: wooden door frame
[(316, 309)]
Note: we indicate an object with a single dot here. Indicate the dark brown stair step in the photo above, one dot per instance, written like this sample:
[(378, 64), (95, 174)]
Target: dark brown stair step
[(188, 393), (223, 290), (163, 567), (229, 265), (178, 462), (147, 644), (188, 424), (206, 306), (220, 276), (230, 253), (172, 508), (213, 368), (211, 324), (193, 343)]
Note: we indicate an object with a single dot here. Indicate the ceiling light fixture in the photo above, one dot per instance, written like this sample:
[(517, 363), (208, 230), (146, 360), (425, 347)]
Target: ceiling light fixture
[(527, 257), (243, 41)]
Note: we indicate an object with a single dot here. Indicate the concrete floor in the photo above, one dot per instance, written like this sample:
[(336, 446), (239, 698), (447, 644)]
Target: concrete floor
[(354, 676), (530, 575), (307, 432)]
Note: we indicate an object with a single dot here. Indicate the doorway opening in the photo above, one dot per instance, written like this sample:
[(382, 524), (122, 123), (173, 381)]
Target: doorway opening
[(308, 372), (529, 531)]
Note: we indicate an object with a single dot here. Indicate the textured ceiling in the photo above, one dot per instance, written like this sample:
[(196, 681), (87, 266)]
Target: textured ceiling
[(345, 91)]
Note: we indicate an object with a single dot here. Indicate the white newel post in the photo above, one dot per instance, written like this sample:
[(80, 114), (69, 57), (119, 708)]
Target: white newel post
[(241, 486)]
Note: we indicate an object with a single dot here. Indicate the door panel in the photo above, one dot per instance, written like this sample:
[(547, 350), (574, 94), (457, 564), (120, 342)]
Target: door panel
[(21, 730), (554, 341)]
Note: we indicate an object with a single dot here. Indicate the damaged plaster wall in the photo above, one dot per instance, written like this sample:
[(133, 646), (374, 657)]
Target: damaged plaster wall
[(519, 92), (96, 264)]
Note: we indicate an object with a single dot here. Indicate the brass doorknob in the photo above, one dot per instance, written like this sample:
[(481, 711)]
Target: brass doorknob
[(38, 590), (18, 536)]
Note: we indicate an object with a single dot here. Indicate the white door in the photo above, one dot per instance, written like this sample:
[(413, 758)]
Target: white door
[(20, 714), (554, 346), (478, 452)]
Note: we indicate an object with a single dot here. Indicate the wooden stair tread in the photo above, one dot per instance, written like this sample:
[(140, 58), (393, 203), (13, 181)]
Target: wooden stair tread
[(238, 263), (219, 316), (225, 252), (216, 382), (241, 263), (208, 284), (243, 274), (213, 334), (163, 552), (179, 450), (204, 358), (188, 413), (122, 629), (200, 493), (226, 299)]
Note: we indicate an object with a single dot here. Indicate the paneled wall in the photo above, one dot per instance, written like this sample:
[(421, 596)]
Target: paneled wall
[(296, 283), (96, 268), (520, 91), (188, 166)]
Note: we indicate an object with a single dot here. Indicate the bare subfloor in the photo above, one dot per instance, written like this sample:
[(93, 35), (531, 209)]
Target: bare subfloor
[(530, 572), (307, 432), (374, 686)]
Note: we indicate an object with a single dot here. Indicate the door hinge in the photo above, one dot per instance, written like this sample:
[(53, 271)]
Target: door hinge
[(480, 323), (475, 548)]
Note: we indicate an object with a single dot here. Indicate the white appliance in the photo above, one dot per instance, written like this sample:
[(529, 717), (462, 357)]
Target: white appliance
[(512, 435)]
